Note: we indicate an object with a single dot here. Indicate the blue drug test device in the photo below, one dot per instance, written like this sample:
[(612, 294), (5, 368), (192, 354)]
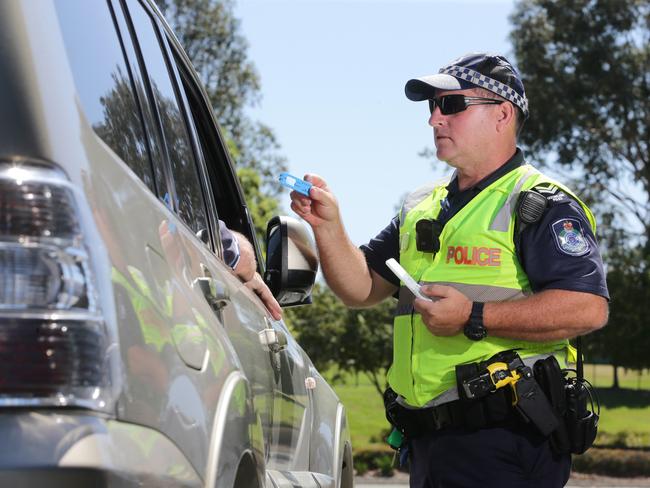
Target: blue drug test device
[(290, 181)]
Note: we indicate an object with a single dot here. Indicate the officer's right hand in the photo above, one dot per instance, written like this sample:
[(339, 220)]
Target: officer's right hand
[(320, 207)]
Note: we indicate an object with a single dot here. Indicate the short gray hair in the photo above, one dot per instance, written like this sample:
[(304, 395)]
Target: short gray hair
[(519, 118)]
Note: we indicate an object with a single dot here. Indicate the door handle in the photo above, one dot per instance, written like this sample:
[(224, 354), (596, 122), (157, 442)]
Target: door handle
[(274, 340), (214, 292)]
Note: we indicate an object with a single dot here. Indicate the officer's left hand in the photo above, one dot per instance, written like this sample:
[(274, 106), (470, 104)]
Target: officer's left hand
[(448, 314)]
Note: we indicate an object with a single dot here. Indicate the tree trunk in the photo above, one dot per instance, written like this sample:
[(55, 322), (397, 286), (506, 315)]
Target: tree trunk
[(374, 379), (615, 385)]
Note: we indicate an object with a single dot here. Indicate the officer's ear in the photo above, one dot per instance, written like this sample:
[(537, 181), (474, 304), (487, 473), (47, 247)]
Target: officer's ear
[(506, 117)]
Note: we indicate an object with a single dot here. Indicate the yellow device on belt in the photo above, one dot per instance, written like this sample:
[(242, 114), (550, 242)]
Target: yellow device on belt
[(502, 376)]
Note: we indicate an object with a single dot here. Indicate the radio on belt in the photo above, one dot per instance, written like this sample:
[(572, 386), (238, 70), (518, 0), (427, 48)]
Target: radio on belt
[(295, 183)]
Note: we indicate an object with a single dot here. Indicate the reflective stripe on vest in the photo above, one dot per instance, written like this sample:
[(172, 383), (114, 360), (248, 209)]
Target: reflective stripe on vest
[(477, 257)]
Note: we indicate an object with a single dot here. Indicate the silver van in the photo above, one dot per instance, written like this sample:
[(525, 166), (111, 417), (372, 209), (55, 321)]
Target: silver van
[(130, 353)]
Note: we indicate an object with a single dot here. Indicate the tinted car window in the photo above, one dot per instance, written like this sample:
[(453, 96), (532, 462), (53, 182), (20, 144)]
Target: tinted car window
[(221, 179), (103, 82), (189, 197)]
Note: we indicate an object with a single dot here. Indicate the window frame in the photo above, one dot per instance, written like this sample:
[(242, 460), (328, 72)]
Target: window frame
[(183, 104), (220, 177), (157, 130), (150, 118)]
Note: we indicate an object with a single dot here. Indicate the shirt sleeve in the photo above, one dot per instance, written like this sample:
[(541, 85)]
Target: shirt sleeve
[(229, 245), (561, 252), (383, 246)]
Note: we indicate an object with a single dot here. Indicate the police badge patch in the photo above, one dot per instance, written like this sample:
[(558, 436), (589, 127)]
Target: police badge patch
[(569, 237)]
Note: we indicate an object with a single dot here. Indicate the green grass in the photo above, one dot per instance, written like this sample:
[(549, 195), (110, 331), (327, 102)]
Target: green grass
[(602, 376), (624, 419), (625, 413), (365, 410)]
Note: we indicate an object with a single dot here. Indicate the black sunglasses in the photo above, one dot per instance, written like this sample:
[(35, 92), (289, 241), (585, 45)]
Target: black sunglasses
[(452, 104)]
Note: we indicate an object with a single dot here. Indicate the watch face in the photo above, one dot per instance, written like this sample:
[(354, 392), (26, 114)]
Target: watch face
[(475, 332)]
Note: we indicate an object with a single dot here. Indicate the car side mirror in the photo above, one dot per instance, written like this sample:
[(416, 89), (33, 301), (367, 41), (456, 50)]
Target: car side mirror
[(291, 261)]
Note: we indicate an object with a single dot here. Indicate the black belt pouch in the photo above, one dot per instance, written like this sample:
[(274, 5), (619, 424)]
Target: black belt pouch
[(473, 412), (582, 423), (404, 419), (550, 378)]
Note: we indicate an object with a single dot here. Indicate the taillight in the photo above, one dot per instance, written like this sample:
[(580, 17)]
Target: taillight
[(53, 339)]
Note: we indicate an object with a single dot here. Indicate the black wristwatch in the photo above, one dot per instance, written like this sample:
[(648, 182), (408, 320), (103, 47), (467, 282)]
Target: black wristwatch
[(474, 329)]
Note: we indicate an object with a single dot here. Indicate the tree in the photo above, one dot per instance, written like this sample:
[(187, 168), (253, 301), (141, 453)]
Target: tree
[(262, 207), (586, 68), (626, 342), (211, 36), (319, 327), (121, 127), (367, 343)]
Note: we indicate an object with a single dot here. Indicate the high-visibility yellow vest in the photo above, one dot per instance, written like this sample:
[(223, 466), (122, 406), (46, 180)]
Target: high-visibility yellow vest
[(477, 256), (144, 307)]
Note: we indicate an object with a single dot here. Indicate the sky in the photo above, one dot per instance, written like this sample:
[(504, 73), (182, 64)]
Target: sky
[(332, 76)]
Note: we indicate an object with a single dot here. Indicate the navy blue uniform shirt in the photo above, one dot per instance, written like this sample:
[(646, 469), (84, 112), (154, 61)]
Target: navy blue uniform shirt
[(557, 252)]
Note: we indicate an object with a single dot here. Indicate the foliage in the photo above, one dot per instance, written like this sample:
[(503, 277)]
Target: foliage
[(354, 341), (613, 462), (319, 326), (624, 439), (360, 467), (121, 127), (261, 206), (211, 36), (380, 458), (625, 342), (385, 465), (368, 342), (586, 68)]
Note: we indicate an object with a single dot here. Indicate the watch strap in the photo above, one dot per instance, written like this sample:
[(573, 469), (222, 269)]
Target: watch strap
[(476, 315)]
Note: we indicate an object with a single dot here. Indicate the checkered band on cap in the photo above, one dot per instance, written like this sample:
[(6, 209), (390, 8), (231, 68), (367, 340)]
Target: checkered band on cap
[(488, 83)]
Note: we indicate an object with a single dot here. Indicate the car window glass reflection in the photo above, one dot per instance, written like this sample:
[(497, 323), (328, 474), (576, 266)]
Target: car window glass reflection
[(106, 90), (188, 188)]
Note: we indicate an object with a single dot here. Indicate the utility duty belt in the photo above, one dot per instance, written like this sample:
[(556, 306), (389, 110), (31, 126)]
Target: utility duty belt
[(506, 371), (505, 390), (487, 392)]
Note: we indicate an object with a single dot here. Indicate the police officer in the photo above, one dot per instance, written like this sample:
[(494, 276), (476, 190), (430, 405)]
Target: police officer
[(510, 260)]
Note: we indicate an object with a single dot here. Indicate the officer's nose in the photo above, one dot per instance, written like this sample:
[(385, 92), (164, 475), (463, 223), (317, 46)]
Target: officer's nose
[(436, 118)]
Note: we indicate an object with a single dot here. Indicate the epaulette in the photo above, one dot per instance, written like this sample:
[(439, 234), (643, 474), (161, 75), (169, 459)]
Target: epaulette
[(552, 193)]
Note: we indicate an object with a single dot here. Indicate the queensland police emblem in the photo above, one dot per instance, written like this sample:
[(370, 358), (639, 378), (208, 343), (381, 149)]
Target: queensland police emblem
[(569, 237)]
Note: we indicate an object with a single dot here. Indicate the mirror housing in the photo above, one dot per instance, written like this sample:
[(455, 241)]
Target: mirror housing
[(291, 261)]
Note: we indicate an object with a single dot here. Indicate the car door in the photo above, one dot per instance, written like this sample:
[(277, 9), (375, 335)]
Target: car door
[(285, 412), (195, 246), (293, 415)]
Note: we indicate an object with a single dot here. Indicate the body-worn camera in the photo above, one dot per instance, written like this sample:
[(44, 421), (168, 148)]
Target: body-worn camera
[(427, 235)]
